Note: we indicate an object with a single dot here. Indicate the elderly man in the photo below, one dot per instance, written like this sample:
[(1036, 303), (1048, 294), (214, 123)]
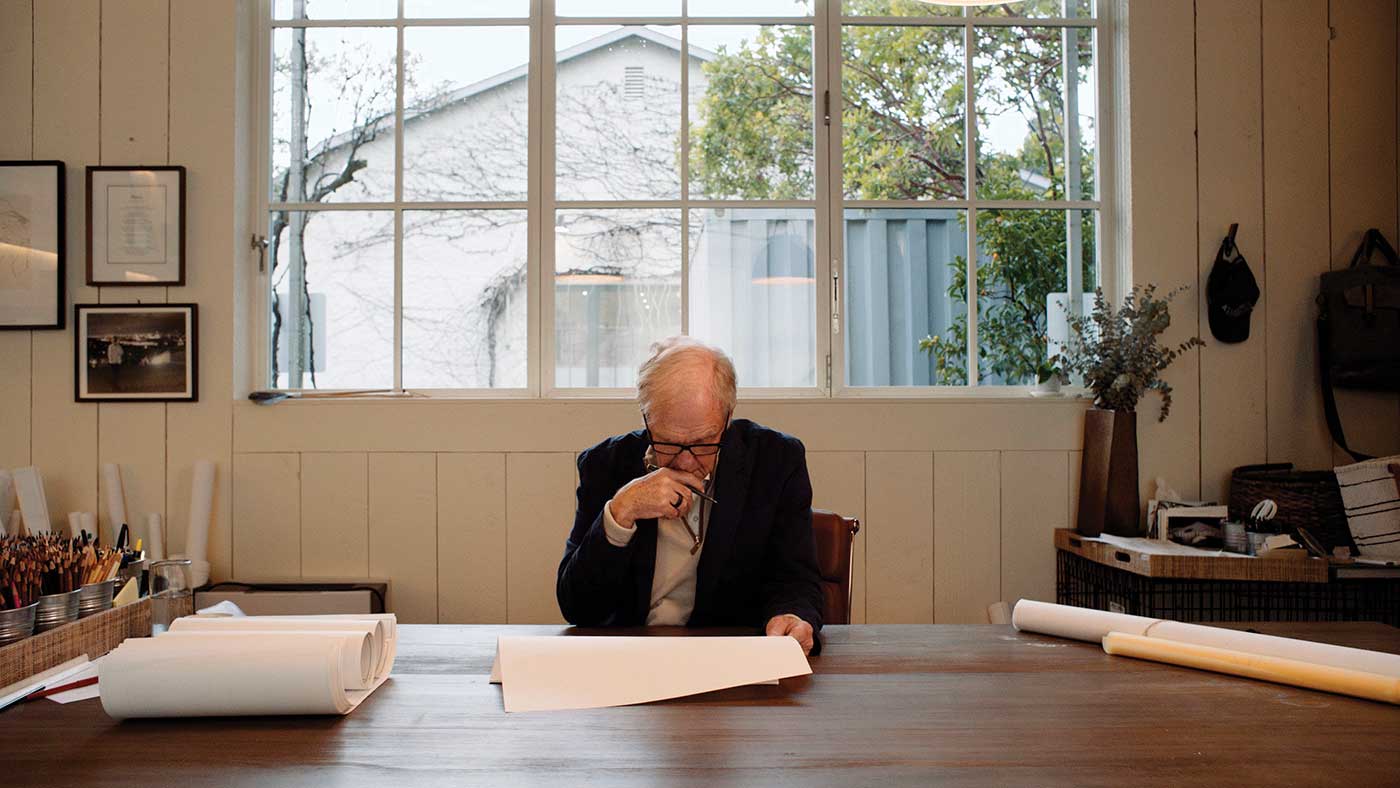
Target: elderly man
[(697, 519)]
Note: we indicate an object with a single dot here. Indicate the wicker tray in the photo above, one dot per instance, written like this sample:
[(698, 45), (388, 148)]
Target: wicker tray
[(94, 636), (1297, 570)]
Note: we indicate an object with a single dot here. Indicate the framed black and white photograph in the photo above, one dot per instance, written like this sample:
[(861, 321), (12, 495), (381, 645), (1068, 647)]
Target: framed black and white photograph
[(136, 352), (135, 226), (31, 245)]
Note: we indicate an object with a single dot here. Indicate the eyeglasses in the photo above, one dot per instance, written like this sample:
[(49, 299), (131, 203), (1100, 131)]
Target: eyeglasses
[(697, 450)]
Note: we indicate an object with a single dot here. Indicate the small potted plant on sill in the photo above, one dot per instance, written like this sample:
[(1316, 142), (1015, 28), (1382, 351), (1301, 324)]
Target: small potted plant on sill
[(1117, 353), (1048, 377)]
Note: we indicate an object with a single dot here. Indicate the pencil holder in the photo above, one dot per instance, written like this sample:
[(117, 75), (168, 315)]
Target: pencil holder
[(95, 597), (17, 624), (55, 610)]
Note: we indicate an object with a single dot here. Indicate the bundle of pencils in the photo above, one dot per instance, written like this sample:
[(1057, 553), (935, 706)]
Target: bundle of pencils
[(31, 566)]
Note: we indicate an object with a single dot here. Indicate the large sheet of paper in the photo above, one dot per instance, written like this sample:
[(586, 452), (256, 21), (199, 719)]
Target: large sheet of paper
[(577, 672), (257, 666), (1093, 625)]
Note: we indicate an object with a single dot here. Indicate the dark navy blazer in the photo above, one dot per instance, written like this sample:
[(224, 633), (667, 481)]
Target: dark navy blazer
[(758, 560)]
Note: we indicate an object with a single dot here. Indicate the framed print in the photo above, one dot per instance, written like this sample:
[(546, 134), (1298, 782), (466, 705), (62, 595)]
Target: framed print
[(31, 245), (135, 226), (136, 352)]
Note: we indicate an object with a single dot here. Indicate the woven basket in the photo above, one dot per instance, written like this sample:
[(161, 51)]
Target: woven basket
[(1309, 499)]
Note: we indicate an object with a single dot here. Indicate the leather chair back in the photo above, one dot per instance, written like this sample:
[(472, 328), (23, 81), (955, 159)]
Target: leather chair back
[(835, 538)]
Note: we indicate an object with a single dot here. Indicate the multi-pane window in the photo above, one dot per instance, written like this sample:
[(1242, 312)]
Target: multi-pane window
[(502, 195)]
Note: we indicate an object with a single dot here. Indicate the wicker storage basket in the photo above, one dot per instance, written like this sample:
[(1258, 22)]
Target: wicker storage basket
[(1305, 498)]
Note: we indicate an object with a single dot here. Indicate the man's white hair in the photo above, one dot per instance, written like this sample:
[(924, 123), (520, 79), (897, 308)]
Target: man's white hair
[(657, 381)]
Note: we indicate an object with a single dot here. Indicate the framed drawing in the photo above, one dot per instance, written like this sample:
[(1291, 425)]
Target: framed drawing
[(135, 226), (136, 352), (31, 245)]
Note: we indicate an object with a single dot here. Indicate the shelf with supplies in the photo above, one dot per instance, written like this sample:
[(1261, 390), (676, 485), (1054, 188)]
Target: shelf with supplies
[(1164, 582)]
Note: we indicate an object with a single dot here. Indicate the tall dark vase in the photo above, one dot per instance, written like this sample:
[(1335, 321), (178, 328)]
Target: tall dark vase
[(1108, 475)]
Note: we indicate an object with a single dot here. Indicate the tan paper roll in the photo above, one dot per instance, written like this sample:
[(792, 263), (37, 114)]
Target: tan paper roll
[(1297, 673), (201, 511), (155, 537), (116, 499)]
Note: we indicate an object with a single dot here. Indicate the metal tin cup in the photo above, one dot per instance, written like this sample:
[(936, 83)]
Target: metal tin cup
[(135, 569), (1256, 542), (1236, 541), (96, 597), (55, 610), (17, 624)]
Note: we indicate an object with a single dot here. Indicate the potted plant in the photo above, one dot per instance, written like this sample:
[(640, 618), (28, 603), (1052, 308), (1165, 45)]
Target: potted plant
[(1048, 377), (1119, 357)]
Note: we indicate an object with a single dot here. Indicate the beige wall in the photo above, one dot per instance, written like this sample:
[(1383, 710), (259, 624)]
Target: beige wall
[(1239, 111)]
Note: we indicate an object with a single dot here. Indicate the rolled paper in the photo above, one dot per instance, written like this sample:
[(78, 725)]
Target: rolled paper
[(90, 523), (116, 499), (7, 494), (201, 511), (16, 523), (33, 504), (75, 523), (1093, 625), (129, 593), (1294, 672), (155, 537)]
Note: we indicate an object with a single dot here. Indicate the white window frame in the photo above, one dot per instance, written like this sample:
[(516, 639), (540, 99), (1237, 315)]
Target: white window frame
[(828, 202)]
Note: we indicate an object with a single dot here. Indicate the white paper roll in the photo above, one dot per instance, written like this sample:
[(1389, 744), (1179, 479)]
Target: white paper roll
[(267, 673), (116, 500), (357, 657), (374, 629), (75, 523), (16, 523), (1077, 623), (33, 503), (1093, 625), (155, 537), (7, 495), (201, 511), (89, 523)]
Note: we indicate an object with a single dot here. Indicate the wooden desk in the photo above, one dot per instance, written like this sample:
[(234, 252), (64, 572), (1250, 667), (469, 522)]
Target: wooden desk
[(887, 705)]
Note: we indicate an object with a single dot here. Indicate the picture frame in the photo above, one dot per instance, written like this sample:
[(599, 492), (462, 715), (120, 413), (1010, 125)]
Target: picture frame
[(135, 226), (136, 352), (33, 266)]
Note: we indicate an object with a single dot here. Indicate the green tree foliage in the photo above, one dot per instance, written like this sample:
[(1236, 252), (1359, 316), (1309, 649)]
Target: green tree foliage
[(904, 138)]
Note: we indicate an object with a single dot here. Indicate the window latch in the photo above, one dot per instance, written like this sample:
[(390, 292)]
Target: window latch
[(826, 108), (259, 243), (835, 297)]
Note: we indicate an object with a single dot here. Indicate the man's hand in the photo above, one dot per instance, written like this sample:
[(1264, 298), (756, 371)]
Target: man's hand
[(789, 624), (665, 492)]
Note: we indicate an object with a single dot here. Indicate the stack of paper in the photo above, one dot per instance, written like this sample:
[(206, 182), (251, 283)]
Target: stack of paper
[(250, 666), (576, 672)]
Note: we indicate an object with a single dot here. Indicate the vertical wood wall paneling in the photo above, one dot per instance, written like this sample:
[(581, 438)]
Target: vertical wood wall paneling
[(1362, 120), (1296, 221), (16, 138), (403, 532), (267, 545), (334, 515), (899, 537), (66, 127), (202, 55), (967, 560), (1231, 163), (1034, 489), (539, 514), (1164, 249), (134, 131), (471, 549), (838, 485)]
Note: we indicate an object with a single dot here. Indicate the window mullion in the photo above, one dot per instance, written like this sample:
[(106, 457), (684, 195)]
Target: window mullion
[(970, 168), (685, 170), (398, 205)]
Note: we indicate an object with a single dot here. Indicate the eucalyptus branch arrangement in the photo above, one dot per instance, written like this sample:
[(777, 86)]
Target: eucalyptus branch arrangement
[(1117, 352)]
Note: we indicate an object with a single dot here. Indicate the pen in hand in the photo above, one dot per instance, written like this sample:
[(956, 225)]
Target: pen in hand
[(653, 467)]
